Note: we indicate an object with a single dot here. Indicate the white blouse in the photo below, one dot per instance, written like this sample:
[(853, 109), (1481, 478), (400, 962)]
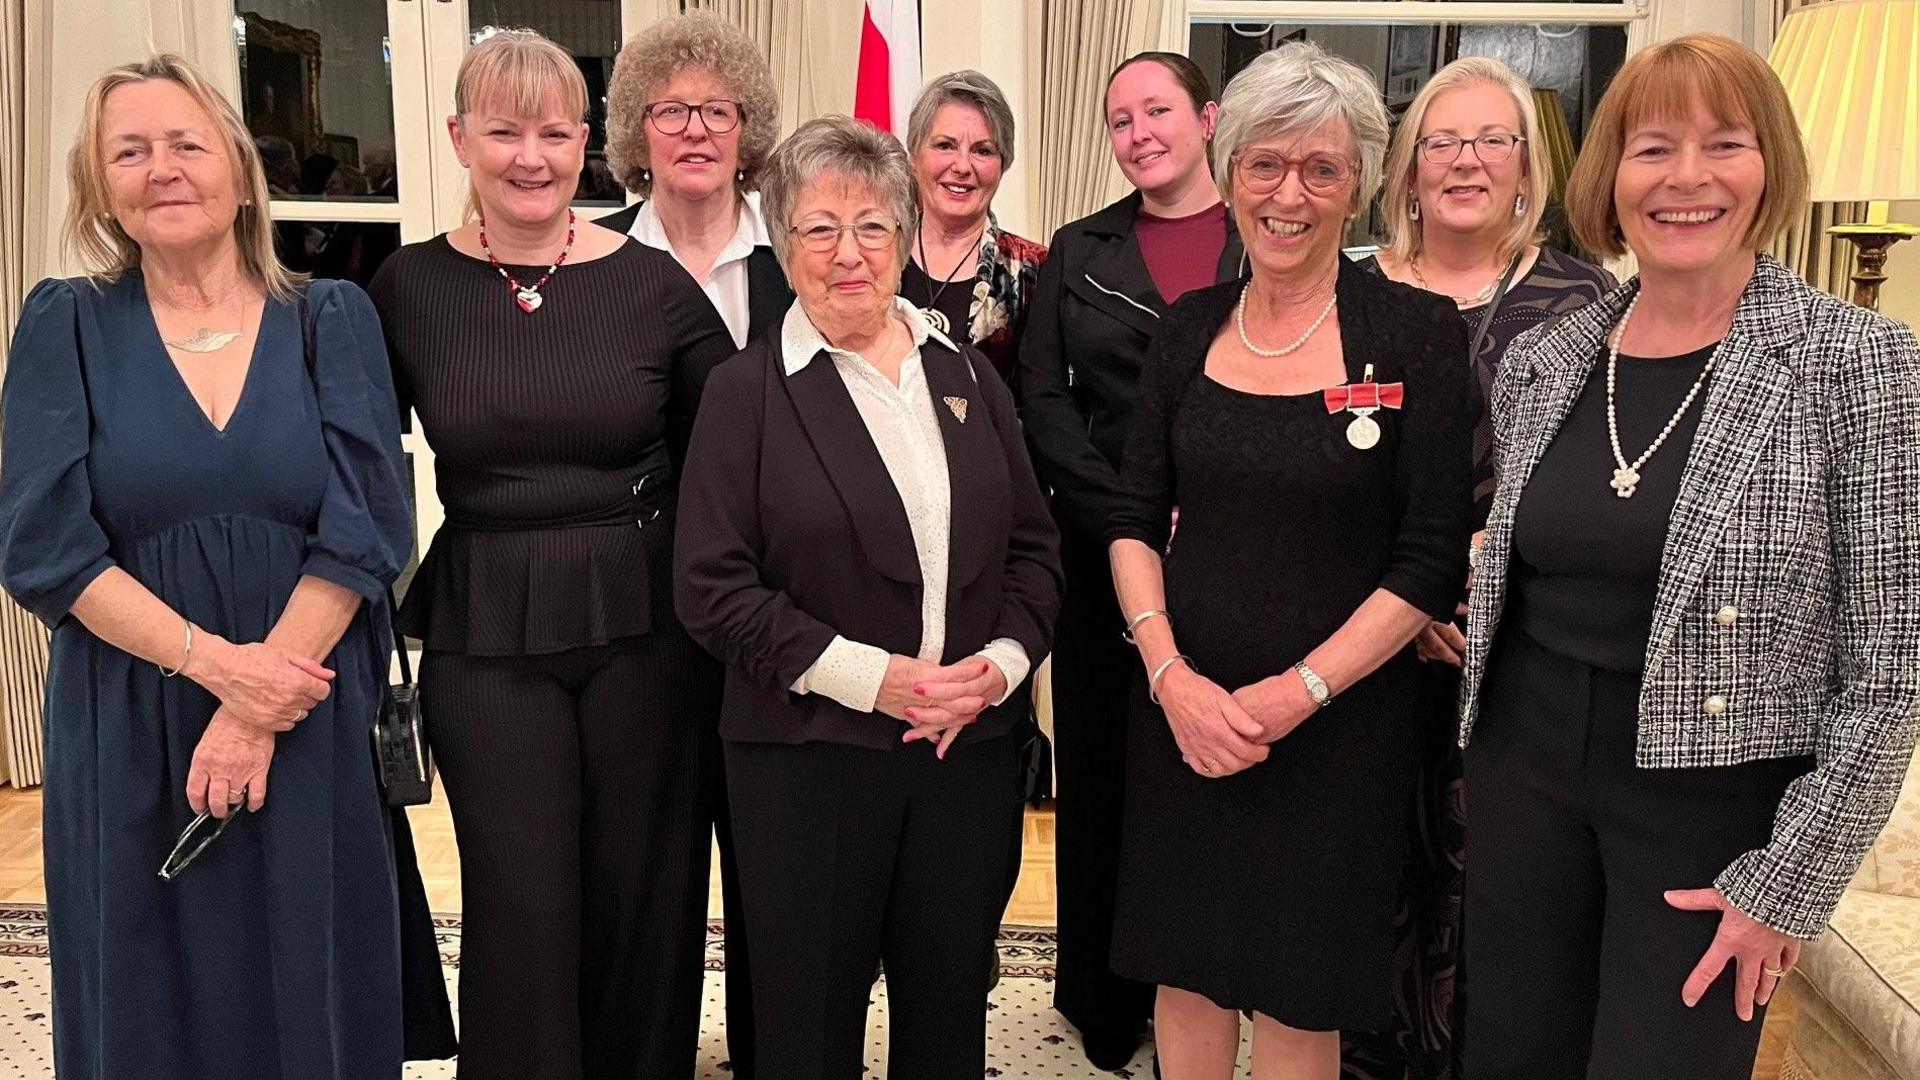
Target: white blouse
[(905, 429), (726, 280)]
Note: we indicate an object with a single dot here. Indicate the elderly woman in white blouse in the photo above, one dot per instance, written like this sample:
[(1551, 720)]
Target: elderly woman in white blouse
[(862, 541)]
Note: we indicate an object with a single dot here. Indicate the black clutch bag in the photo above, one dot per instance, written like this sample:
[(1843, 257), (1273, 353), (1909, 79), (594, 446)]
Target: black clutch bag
[(400, 756)]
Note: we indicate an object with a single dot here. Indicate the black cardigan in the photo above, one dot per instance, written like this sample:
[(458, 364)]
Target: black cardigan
[(791, 531)]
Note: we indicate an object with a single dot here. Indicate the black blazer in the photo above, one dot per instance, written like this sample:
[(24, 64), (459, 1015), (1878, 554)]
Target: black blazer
[(791, 531), (1094, 311), (768, 294)]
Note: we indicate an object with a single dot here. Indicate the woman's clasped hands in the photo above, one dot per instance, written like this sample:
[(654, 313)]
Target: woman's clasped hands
[(259, 684), (938, 702)]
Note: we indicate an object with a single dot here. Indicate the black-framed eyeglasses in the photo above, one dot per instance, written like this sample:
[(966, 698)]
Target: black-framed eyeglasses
[(874, 234), (1262, 171), (200, 832), (1491, 149), (718, 115)]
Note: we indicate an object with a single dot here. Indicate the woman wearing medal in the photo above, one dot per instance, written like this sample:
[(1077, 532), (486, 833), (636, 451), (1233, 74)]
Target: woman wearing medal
[(972, 279), (1312, 423), (556, 366)]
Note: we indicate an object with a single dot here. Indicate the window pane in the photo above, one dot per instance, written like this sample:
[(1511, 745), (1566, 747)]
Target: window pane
[(590, 30), (317, 93), (348, 250)]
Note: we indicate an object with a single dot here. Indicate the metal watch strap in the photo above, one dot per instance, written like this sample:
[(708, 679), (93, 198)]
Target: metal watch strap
[(1317, 688)]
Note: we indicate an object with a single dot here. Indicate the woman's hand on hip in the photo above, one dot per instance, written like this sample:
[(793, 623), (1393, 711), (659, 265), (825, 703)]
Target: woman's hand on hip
[(1215, 735), (1761, 955), (229, 766), (260, 684), (1278, 704)]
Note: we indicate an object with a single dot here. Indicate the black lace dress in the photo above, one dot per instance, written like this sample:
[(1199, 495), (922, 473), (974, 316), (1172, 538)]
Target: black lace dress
[(1275, 889)]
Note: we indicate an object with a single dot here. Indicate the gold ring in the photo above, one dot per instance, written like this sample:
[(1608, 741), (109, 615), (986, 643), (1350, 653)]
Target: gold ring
[(1773, 971), (1211, 766)]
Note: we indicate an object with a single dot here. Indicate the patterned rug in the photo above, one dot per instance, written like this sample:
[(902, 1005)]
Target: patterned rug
[(1025, 1037)]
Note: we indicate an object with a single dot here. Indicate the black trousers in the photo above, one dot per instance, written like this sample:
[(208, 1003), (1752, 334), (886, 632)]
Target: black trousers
[(1577, 958), (581, 785), (850, 856), (1092, 669)]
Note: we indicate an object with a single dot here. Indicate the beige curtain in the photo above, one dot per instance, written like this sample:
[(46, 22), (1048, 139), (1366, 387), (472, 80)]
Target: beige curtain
[(23, 641), (1072, 45), (813, 47), (1805, 248)]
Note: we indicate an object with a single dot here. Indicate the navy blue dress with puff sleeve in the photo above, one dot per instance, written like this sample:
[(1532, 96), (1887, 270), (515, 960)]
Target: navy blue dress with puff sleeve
[(277, 953)]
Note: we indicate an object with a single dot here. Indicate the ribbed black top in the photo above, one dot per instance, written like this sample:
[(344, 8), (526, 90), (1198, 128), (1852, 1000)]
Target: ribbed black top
[(556, 438)]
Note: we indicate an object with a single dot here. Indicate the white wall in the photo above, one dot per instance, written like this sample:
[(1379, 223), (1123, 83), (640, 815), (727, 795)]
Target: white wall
[(989, 36)]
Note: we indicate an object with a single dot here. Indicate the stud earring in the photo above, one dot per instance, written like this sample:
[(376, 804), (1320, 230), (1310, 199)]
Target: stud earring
[(1413, 209), (646, 176), (1519, 205), (739, 176)]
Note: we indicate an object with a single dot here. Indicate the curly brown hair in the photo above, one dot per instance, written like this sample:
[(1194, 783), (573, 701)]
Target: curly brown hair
[(651, 57)]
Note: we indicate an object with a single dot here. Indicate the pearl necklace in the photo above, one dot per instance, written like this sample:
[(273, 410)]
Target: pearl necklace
[(1480, 297), (1240, 320), (1626, 477)]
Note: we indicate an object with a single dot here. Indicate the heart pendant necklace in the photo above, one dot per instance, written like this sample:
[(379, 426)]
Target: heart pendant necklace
[(527, 296)]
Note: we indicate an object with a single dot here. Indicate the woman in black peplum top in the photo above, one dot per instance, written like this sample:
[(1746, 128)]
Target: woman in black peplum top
[(556, 366)]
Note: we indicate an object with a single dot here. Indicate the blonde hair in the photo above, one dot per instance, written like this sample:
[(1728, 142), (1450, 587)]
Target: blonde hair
[(694, 40), (1297, 89), (525, 72), (105, 249), (1663, 81), (1404, 235)]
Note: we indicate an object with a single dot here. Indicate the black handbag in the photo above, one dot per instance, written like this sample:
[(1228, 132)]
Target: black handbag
[(401, 761), (400, 756)]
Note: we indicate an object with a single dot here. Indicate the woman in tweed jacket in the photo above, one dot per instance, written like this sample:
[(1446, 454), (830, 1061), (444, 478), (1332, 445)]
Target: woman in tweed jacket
[(1689, 695)]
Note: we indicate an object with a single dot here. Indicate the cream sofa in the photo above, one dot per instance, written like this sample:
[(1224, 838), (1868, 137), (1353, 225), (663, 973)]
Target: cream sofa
[(1859, 985)]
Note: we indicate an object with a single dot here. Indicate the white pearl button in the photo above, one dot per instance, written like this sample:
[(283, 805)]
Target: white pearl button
[(1726, 615), (1715, 705)]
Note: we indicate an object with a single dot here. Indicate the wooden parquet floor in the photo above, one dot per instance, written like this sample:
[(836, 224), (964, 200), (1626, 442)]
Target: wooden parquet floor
[(1032, 905)]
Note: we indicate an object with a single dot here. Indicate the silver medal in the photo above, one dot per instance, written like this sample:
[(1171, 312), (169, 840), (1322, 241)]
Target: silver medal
[(1364, 432)]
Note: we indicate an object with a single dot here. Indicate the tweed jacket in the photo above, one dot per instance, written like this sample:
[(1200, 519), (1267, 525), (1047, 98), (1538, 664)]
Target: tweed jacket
[(1787, 615)]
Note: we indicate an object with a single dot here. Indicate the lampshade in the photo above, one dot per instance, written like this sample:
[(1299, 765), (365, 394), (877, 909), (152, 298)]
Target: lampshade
[(1852, 70)]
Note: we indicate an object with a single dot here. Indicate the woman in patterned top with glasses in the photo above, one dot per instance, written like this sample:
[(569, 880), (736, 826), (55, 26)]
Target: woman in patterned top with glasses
[(1467, 182), (1312, 425)]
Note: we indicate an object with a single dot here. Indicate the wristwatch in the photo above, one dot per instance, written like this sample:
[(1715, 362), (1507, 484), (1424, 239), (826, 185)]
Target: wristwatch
[(1316, 686)]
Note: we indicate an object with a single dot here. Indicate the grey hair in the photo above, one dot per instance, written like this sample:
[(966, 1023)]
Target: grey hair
[(966, 87), (1295, 90), (851, 151)]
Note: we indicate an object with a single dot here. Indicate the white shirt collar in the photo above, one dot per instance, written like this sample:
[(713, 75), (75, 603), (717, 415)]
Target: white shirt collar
[(749, 234), (800, 342)]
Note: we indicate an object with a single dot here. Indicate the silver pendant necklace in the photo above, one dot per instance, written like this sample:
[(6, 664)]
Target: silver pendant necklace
[(205, 340), (1240, 321), (1481, 297), (1626, 477)]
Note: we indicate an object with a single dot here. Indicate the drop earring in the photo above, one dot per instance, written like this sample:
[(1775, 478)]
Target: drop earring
[(1413, 209), (646, 176), (739, 176), (1519, 205)]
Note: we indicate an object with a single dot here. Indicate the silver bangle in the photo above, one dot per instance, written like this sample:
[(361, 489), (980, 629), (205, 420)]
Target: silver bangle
[(185, 656), (1140, 618), (1153, 680)]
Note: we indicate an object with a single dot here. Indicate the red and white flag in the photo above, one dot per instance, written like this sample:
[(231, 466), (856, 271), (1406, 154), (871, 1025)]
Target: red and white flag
[(889, 76)]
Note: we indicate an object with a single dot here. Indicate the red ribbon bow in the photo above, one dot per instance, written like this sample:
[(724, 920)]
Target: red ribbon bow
[(1366, 395)]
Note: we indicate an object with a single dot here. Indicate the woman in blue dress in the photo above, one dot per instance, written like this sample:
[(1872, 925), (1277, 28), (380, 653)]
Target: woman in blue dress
[(186, 493)]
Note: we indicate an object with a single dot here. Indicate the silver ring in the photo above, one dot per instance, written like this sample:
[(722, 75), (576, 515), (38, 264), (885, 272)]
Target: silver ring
[(1210, 765), (299, 716), (236, 796)]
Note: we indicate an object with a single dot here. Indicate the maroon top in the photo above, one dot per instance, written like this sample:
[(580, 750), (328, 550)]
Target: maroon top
[(1182, 252)]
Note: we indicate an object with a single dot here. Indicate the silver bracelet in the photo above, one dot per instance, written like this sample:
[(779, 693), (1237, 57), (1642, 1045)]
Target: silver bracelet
[(1153, 680), (1140, 618), (185, 656)]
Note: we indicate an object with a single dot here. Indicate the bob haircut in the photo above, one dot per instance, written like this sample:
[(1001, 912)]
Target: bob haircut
[(968, 88), (105, 249), (1295, 90), (1662, 82), (845, 149), (523, 72), (697, 41), (1403, 233)]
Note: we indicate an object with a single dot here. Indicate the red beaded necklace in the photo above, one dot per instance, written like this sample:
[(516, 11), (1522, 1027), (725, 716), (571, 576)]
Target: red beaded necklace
[(527, 296)]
